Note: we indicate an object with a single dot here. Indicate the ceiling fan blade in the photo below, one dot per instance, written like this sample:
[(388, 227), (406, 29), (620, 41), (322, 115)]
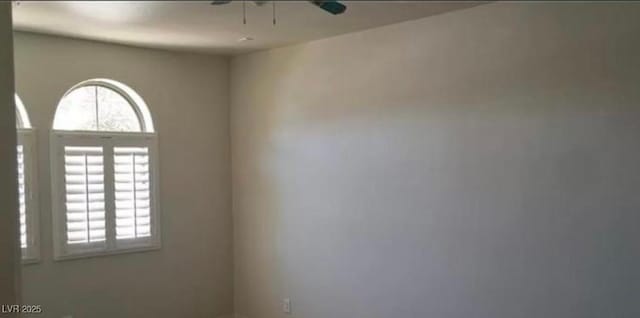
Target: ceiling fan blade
[(331, 6)]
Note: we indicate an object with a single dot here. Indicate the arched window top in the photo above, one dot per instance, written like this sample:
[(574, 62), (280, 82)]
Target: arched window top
[(102, 105), (22, 118)]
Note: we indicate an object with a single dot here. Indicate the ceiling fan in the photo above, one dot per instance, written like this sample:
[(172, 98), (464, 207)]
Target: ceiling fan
[(331, 6)]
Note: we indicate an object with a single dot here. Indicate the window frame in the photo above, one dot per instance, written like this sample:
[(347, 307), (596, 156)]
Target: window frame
[(108, 140), (111, 245), (22, 117)]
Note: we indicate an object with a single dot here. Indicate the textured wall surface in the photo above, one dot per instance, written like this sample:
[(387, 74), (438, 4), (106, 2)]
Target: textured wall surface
[(481, 163)]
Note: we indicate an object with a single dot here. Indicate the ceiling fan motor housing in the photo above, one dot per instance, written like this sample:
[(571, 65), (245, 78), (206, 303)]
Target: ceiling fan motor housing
[(331, 6)]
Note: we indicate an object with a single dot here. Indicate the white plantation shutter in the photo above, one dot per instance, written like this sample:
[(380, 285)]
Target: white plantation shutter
[(22, 198), (84, 195), (132, 192), (28, 212), (105, 191)]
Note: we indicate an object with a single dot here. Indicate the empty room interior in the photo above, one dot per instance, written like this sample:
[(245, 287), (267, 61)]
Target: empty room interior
[(320, 159)]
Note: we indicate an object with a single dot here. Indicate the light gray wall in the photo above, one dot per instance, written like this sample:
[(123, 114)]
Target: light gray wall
[(9, 251), (191, 276), (481, 163)]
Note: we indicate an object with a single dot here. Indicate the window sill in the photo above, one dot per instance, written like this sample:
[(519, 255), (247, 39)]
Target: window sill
[(105, 253)]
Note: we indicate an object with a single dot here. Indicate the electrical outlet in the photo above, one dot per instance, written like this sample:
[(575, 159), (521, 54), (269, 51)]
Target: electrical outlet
[(286, 305)]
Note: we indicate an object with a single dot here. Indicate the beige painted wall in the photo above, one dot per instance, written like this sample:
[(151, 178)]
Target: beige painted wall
[(9, 251), (481, 163), (191, 276)]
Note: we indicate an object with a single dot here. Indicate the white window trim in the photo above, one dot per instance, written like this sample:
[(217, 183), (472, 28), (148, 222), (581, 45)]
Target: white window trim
[(22, 117), (26, 138), (108, 140)]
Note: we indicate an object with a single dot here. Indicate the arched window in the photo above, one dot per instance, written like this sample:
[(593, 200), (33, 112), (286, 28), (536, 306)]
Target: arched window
[(104, 172), (102, 105), (29, 230)]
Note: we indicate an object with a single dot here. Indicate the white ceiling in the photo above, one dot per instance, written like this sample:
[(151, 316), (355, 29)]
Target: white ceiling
[(199, 26)]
